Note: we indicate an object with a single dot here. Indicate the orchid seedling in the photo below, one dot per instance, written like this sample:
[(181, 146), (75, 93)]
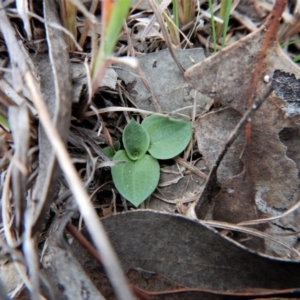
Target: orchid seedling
[(157, 137)]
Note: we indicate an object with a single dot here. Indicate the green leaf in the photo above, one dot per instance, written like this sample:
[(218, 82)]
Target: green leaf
[(110, 152), (136, 140), (175, 13), (168, 137), (117, 145), (135, 180)]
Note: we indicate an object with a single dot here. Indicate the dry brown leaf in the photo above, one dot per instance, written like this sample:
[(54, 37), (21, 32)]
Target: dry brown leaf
[(211, 132), (65, 275), (269, 179), (177, 186), (20, 127)]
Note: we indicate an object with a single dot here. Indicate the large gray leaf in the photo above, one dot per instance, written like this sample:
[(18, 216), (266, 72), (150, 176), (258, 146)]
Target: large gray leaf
[(193, 254), (165, 81)]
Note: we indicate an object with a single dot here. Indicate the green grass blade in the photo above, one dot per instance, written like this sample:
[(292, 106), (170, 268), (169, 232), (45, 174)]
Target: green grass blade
[(112, 31), (283, 44), (226, 20), (4, 122), (213, 25), (173, 29), (175, 13), (118, 15), (297, 58)]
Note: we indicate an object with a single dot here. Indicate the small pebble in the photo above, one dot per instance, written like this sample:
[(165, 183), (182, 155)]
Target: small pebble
[(266, 78)]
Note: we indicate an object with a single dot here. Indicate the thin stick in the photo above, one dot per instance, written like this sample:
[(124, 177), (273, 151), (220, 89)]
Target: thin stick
[(264, 220), (251, 231), (245, 119)]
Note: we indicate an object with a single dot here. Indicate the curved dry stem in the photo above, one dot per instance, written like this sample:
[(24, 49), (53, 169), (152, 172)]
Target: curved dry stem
[(265, 220), (294, 253)]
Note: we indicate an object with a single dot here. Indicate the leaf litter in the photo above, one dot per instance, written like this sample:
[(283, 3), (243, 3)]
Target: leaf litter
[(256, 182), (268, 182)]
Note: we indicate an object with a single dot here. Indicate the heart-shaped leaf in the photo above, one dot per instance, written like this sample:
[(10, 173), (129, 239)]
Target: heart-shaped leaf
[(135, 180), (168, 137), (136, 140)]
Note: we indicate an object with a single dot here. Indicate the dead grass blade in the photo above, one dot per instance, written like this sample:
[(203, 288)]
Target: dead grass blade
[(87, 24), (294, 253), (56, 89), (189, 166), (7, 217), (68, 14), (120, 108), (22, 7), (265, 220), (58, 27), (158, 13), (20, 126)]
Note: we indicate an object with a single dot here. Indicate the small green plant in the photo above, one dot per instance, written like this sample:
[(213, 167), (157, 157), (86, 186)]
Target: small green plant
[(217, 28), (163, 138), (225, 15)]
